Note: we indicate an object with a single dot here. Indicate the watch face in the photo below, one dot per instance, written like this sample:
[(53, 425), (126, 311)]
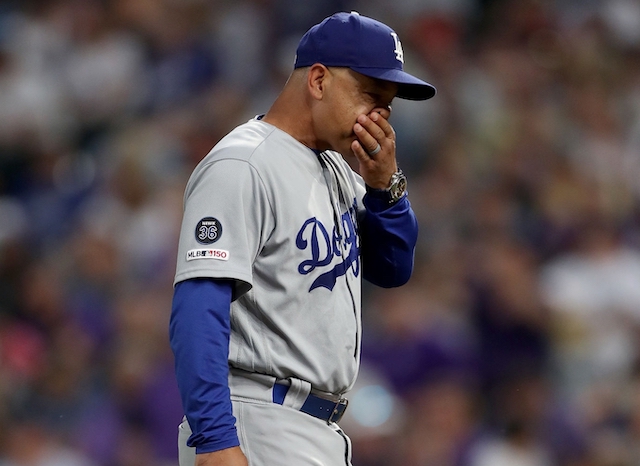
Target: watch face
[(398, 187)]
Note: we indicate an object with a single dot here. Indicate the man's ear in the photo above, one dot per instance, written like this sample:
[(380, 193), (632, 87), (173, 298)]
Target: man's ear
[(317, 79)]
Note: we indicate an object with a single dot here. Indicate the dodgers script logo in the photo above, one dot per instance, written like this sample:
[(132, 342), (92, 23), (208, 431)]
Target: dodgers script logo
[(323, 247)]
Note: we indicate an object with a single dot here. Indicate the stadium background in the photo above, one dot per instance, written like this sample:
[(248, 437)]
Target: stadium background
[(516, 341)]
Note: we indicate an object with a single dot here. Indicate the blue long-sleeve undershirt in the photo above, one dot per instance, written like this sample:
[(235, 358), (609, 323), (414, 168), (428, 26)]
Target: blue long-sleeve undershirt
[(200, 322), (199, 333)]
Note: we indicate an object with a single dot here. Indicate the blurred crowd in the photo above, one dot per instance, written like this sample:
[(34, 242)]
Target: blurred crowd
[(516, 342)]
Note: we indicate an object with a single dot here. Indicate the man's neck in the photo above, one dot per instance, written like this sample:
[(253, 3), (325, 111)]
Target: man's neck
[(290, 114)]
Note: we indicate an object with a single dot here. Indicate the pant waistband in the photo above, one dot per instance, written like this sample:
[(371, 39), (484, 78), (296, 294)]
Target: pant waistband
[(291, 392)]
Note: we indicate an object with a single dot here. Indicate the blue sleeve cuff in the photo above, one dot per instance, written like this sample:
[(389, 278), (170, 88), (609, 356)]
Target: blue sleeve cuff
[(378, 204)]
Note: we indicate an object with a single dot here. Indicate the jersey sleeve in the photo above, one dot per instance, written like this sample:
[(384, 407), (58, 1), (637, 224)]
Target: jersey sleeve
[(388, 239), (226, 220)]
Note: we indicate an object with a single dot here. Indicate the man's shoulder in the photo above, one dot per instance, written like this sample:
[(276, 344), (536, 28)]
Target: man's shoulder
[(258, 144), (254, 146), (242, 142)]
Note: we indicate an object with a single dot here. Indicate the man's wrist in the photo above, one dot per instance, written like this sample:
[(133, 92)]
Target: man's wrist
[(394, 192)]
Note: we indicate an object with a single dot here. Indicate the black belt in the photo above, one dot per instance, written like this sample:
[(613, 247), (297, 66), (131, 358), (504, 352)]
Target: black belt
[(327, 410)]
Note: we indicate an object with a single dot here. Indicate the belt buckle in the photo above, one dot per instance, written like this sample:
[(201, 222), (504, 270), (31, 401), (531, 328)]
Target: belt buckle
[(337, 413)]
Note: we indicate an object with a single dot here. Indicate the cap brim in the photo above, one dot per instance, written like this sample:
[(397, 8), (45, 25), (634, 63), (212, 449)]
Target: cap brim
[(409, 87)]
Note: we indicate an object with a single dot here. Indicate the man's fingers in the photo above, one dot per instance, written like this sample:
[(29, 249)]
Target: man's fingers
[(376, 172), (373, 128), (372, 131), (383, 124), (367, 141), (377, 149), (361, 154)]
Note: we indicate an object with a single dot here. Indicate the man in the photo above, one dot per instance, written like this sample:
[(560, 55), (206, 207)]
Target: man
[(277, 233)]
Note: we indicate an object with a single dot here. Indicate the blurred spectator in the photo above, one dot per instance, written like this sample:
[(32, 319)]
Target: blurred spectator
[(443, 425), (593, 293), (28, 444)]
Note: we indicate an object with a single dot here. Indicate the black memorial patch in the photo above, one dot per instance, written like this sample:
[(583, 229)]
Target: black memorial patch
[(208, 230)]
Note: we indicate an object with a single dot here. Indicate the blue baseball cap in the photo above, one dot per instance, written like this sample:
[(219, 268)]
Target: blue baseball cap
[(365, 45)]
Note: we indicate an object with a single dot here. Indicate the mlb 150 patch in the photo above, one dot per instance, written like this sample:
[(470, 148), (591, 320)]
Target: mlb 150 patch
[(218, 254), (208, 230)]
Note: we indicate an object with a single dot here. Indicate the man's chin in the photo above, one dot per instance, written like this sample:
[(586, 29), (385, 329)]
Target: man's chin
[(351, 159)]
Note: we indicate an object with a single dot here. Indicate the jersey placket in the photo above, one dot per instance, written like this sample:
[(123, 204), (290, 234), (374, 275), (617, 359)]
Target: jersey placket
[(335, 182)]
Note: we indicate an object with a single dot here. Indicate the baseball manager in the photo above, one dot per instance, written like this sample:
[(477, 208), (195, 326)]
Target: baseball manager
[(278, 231)]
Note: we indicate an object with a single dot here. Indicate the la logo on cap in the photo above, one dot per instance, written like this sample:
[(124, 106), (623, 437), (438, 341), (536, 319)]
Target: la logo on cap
[(398, 50)]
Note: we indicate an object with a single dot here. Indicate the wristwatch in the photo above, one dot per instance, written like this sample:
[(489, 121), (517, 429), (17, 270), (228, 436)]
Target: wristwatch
[(397, 186), (396, 190)]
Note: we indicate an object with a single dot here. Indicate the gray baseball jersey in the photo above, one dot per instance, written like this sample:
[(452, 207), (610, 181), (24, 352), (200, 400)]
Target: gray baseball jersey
[(281, 221)]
